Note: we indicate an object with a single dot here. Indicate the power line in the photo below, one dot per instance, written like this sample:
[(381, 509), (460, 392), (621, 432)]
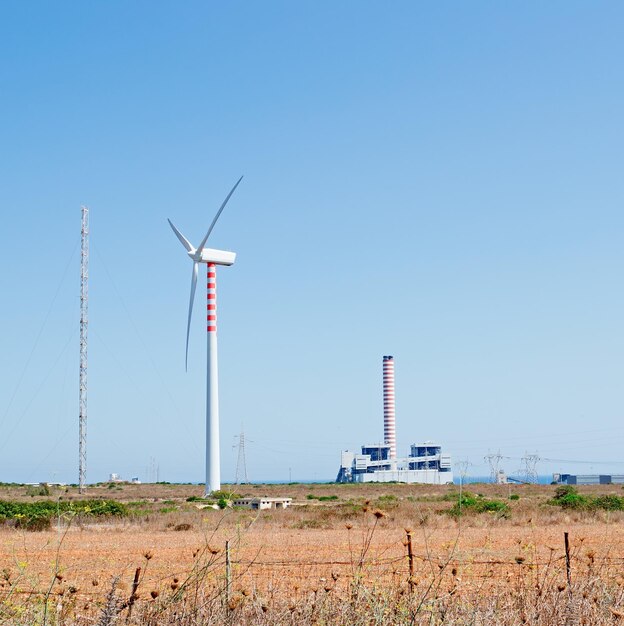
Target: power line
[(39, 334), (164, 386), (543, 458), (586, 462), (34, 395)]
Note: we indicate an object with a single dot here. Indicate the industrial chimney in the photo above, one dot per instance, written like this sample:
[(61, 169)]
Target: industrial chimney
[(388, 400)]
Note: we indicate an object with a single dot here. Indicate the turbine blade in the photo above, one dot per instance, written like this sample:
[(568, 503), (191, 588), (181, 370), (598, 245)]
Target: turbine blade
[(216, 217), (183, 240), (188, 324)]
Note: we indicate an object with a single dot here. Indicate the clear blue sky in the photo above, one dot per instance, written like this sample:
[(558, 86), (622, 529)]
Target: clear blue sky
[(438, 181)]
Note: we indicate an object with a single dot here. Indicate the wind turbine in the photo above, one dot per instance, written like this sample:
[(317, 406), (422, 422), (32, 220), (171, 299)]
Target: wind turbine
[(211, 258)]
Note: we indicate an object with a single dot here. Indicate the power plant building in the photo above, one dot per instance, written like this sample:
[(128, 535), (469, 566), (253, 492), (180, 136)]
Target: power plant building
[(425, 464), (588, 479), (379, 463)]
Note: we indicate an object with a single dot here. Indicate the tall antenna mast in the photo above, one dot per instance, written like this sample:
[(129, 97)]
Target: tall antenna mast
[(84, 322)]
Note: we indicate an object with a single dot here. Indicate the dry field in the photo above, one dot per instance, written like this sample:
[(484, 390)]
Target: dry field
[(342, 559)]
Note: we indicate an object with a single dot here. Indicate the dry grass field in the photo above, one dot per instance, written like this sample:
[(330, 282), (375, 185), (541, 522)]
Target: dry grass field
[(338, 556)]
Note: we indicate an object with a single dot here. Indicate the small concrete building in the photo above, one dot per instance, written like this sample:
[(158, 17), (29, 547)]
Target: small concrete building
[(263, 503)]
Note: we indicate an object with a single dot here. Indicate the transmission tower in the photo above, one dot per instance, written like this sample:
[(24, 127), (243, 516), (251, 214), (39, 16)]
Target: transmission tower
[(84, 323), (463, 466), (530, 467), (153, 471), (241, 462), (493, 461)]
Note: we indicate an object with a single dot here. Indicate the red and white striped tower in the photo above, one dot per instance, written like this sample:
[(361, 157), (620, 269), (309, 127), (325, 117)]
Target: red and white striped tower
[(213, 464), (388, 400)]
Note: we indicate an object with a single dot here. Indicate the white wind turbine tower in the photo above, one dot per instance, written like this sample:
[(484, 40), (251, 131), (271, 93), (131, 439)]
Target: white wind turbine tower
[(212, 258)]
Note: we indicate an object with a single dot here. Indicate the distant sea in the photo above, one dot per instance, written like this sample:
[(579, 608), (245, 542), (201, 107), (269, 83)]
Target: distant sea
[(546, 479)]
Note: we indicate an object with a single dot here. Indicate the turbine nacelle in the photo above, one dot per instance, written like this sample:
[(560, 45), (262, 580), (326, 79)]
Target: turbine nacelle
[(201, 254), (210, 255)]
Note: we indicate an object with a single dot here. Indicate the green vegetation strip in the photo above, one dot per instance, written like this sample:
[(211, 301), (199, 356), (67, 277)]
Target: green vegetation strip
[(568, 497), (469, 503), (37, 515)]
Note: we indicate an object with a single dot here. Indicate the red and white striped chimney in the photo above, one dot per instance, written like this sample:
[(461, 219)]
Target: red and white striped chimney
[(388, 400)]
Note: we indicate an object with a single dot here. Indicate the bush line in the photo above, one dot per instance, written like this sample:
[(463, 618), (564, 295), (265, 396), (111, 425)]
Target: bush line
[(38, 515), (567, 497)]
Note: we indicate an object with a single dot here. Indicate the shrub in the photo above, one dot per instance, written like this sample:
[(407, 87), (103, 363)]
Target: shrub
[(388, 498), (567, 497), (563, 490), (38, 490), (609, 503), (93, 507), (469, 503), (387, 502), (36, 523), (448, 497), (514, 496), (492, 506), (311, 496), (196, 499), (311, 523), (227, 495)]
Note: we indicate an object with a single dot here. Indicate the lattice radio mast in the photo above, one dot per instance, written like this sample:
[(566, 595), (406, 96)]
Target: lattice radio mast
[(84, 322)]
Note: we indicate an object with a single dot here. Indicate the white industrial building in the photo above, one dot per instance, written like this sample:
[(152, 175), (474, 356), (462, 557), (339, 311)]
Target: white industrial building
[(425, 464)]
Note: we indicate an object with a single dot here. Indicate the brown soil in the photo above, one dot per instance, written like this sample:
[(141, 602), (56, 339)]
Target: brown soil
[(314, 544)]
